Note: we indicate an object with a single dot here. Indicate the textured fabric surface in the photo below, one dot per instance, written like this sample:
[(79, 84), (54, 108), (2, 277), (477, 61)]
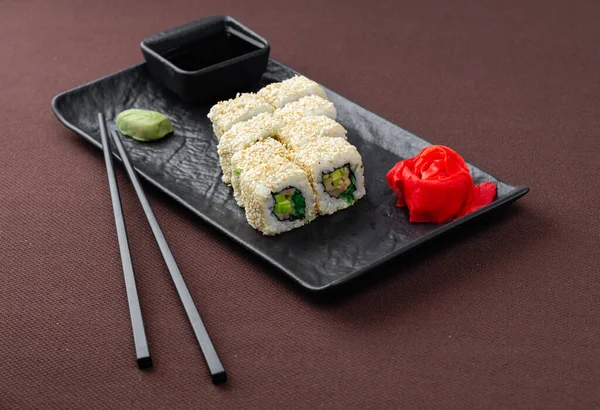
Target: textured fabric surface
[(501, 315)]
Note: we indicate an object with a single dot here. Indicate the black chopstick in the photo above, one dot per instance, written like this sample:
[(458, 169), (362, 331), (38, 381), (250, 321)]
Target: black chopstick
[(217, 372), (142, 351)]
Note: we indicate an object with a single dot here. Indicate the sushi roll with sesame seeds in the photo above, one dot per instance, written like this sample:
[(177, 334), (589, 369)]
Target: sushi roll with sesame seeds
[(241, 136), (244, 106), (277, 196), (295, 134), (261, 152), (335, 170), (287, 91), (309, 106)]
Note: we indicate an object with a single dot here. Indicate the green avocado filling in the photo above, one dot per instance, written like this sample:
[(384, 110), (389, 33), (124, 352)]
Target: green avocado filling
[(336, 177), (294, 205), (283, 207)]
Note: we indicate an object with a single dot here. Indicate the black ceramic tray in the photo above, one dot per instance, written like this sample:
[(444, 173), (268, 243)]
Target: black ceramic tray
[(329, 251)]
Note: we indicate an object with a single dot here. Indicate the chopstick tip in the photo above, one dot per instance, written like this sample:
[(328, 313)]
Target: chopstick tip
[(219, 378), (144, 362)]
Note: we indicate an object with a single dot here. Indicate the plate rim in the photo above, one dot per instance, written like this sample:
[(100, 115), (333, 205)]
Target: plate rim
[(519, 191)]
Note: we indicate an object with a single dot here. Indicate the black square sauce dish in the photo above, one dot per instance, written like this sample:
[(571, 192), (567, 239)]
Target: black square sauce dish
[(206, 59)]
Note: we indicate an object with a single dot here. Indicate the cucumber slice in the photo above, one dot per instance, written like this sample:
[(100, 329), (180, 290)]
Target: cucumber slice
[(336, 174), (284, 207)]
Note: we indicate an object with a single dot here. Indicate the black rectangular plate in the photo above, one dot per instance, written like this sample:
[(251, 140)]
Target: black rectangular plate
[(329, 251)]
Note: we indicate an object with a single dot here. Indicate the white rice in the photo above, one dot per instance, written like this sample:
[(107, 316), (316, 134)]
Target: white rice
[(324, 155), (259, 183)]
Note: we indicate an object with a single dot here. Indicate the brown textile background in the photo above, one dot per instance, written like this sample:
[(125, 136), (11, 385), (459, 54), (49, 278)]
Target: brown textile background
[(502, 315)]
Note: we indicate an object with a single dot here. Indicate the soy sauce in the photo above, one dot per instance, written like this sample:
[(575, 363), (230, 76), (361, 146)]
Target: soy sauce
[(210, 50)]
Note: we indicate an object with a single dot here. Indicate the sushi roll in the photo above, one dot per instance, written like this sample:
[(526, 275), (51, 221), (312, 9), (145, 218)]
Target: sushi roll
[(310, 106), (277, 195), (335, 170), (242, 135), (244, 106), (261, 152), (295, 134), (287, 91)]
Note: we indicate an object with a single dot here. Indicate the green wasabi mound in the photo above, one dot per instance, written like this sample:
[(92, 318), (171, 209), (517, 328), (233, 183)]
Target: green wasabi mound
[(143, 125)]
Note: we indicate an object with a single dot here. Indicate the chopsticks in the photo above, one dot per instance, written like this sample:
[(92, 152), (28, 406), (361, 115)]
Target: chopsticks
[(216, 370), (142, 350)]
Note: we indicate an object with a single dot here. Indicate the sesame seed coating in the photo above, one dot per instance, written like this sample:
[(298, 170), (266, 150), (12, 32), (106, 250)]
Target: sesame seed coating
[(262, 151), (322, 151), (304, 129), (311, 105), (258, 153), (273, 173), (241, 136), (244, 106), (279, 94)]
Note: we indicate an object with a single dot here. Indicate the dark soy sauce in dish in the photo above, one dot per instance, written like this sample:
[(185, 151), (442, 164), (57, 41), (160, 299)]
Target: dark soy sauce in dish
[(210, 50)]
